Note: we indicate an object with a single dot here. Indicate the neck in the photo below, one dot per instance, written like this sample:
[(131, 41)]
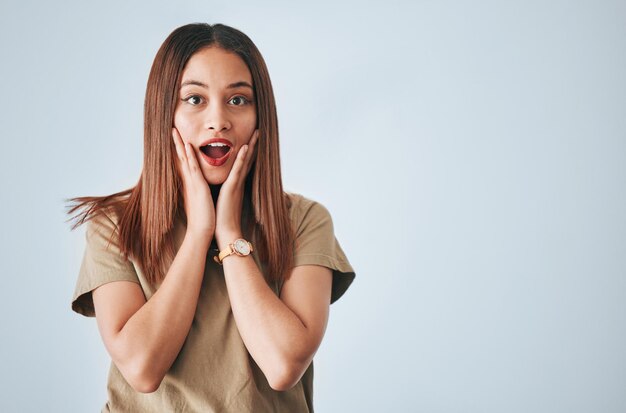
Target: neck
[(215, 191)]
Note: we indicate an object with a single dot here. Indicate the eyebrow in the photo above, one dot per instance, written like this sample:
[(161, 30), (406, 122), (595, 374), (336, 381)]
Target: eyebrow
[(241, 83)]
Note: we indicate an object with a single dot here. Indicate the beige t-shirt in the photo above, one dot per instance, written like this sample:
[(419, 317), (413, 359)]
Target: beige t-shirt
[(213, 371)]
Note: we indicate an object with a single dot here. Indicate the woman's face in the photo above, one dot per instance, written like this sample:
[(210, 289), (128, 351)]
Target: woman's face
[(215, 112)]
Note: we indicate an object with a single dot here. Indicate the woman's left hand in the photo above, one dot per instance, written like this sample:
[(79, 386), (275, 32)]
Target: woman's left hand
[(230, 200)]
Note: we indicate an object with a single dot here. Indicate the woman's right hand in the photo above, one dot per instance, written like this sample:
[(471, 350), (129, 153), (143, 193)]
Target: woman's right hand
[(199, 206)]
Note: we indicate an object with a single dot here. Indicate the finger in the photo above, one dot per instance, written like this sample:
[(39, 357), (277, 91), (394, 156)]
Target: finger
[(183, 154), (234, 176), (252, 144), (192, 161), (181, 157), (178, 144), (251, 151)]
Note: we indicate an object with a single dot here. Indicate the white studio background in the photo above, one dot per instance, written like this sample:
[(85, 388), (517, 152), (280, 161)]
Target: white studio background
[(472, 155)]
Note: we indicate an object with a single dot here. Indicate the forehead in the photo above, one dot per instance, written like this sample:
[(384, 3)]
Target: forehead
[(217, 67)]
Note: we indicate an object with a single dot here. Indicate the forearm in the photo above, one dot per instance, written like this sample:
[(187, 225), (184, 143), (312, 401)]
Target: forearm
[(151, 339), (273, 334)]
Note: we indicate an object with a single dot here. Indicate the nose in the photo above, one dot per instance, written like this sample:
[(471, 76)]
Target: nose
[(217, 119)]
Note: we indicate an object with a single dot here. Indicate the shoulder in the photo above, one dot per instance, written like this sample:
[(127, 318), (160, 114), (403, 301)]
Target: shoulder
[(298, 201), (300, 205), (104, 222), (102, 229), (106, 212), (303, 210), (309, 216)]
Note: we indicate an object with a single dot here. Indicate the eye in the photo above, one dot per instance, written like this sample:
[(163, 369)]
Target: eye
[(239, 101), (193, 100)]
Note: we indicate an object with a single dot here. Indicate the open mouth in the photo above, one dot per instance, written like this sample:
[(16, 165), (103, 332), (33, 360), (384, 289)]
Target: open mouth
[(215, 150), (216, 153)]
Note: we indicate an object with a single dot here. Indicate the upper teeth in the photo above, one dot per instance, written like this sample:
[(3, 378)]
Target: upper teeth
[(217, 144)]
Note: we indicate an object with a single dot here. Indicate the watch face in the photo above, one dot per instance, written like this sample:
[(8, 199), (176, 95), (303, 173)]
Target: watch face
[(242, 247)]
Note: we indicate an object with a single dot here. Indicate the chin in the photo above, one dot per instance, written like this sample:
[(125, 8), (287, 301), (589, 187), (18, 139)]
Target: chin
[(215, 177), (215, 180)]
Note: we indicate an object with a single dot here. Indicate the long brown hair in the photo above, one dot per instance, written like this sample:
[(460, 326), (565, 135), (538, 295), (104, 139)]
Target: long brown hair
[(147, 211)]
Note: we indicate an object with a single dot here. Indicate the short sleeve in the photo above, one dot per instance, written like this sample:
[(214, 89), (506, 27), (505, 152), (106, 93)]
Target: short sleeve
[(103, 262), (316, 244)]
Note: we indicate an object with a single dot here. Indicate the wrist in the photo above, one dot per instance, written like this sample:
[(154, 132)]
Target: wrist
[(227, 238), (239, 247), (201, 238)]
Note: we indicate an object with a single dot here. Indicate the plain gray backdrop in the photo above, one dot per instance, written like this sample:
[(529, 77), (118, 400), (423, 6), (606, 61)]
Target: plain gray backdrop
[(472, 155)]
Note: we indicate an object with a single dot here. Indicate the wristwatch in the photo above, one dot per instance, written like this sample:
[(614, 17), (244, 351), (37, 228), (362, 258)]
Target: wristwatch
[(239, 247)]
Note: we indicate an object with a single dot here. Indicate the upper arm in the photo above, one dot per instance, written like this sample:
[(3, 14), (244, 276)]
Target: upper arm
[(114, 304), (316, 244), (103, 263), (307, 293)]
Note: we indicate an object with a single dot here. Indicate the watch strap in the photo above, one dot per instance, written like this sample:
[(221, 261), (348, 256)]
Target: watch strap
[(229, 250)]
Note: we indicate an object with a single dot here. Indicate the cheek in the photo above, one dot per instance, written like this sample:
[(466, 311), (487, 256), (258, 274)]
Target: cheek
[(249, 128), (183, 123)]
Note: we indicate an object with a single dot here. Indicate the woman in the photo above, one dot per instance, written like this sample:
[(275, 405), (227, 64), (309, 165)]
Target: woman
[(210, 285)]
